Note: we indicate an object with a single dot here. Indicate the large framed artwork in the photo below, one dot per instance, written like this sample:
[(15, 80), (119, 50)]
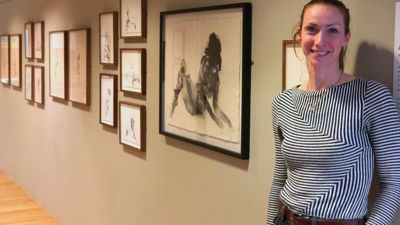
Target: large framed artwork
[(79, 65), (108, 38), (15, 60), (29, 94), (38, 38), (133, 18), (58, 70), (5, 59), (29, 32), (38, 75), (294, 67), (205, 77), (133, 70), (108, 99), (132, 125)]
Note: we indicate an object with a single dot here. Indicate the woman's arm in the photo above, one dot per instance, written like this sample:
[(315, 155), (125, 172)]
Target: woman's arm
[(280, 172), (383, 124)]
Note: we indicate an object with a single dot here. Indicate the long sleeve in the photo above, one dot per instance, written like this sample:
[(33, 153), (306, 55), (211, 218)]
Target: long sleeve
[(383, 125), (280, 173)]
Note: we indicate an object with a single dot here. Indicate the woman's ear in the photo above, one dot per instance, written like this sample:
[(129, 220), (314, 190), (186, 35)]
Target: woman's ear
[(297, 34), (348, 38)]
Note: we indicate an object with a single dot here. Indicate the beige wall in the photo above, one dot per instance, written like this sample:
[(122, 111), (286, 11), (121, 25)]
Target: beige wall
[(76, 168)]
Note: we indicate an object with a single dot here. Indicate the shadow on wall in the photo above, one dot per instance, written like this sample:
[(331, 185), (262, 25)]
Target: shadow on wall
[(374, 63)]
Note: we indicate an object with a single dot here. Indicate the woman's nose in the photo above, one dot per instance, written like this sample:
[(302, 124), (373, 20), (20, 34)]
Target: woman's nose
[(320, 38)]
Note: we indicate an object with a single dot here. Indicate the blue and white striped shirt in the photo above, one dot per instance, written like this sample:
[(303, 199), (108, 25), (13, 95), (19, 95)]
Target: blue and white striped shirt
[(327, 143)]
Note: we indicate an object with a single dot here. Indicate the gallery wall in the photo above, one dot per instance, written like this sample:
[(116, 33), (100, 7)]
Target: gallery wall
[(63, 157)]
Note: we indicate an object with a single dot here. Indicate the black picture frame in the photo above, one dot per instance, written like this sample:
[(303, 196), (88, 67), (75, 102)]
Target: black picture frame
[(133, 70), (108, 38), (133, 27), (205, 77), (294, 66), (132, 125), (79, 65), (29, 40), (108, 100), (58, 64), (16, 60)]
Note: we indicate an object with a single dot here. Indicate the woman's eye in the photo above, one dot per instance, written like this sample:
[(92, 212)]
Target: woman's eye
[(311, 29), (333, 30)]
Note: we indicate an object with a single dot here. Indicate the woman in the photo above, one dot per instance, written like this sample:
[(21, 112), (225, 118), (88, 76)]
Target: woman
[(330, 132)]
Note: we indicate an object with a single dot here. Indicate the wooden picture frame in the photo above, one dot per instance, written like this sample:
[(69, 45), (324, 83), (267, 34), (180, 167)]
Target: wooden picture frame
[(58, 66), (38, 72), (108, 38), (133, 70), (5, 59), (294, 67), (38, 29), (108, 99), (79, 65), (29, 40), (132, 125), (133, 19), (29, 83), (205, 73), (15, 60)]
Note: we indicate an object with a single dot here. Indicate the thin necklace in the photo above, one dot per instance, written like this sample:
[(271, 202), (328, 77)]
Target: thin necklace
[(314, 103), (333, 85)]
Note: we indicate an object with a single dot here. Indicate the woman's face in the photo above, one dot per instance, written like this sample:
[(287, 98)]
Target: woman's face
[(323, 35)]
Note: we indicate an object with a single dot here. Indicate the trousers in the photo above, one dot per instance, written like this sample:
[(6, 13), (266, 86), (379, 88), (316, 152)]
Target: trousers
[(281, 220)]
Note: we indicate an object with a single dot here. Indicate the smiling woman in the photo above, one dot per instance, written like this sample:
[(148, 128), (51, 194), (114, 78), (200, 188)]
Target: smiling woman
[(330, 133)]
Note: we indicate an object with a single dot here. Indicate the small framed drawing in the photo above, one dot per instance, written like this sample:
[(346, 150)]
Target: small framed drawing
[(5, 59), (29, 40), (38, 38), (38, 72), (294, 68), (15, 60), (133, 18), (58, 64), (133, 70), (108, 99), (29, 94), (108, 38), (79, 65), (132, 125), (205, 74)]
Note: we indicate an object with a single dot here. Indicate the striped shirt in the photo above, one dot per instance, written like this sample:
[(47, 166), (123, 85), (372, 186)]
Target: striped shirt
[(327, 143)]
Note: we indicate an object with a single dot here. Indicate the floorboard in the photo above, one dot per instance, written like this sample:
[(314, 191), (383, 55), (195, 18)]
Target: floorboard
[(17, 208)]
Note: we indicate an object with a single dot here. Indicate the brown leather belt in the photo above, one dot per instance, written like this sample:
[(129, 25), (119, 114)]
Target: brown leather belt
[(298, 220)]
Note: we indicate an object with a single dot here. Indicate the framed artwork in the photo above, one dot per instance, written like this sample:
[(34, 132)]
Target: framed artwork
[(132, 125), (133, 18), (79, 65), (294, 67), (5, 59), (133, 70), (58, 64), (108, 99), (108, 38), (38, 38), (29, 94), (205, 77), (15, 60), (38, 72), (29, 40)]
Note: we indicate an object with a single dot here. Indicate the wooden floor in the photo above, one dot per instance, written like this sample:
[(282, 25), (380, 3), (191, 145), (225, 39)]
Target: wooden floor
[(17, 208)]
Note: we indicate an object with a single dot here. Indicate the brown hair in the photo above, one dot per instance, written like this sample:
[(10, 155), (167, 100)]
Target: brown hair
[(346, 17)]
